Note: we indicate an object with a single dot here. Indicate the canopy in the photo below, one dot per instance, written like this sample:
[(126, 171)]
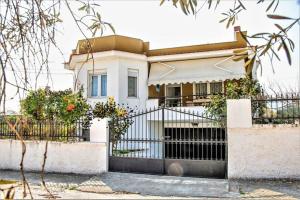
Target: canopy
[(200, 70)]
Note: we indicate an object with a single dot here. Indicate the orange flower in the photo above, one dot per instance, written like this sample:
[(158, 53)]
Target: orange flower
[(70, 107)]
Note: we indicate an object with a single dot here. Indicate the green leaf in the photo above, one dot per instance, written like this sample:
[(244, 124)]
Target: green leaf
[(287, 52), (274, 53), (267, 47), (183, 8), (223, 20), (270, 6), (280, 28), (278, 17), (241, 4), (111, 27), (229, 21), (82, 8)]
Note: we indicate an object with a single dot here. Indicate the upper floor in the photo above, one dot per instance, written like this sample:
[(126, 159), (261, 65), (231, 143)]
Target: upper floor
[(127, 69)]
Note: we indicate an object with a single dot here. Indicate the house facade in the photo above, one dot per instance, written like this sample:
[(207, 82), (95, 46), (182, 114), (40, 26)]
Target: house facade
[(137, 76), (161, 139)]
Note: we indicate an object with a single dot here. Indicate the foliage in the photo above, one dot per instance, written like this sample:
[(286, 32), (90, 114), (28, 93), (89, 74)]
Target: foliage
[(64, 106), (120, 120), (243, 88), (29, 35), (267, 43)]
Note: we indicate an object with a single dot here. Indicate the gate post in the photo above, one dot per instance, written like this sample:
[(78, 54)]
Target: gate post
[(239, 117), (239, 114), (99, 133)]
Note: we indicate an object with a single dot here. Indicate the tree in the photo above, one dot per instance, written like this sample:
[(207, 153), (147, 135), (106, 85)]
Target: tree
[(259, 44), (28, 32)]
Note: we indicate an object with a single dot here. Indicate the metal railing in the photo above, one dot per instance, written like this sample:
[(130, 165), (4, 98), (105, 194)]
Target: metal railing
[(44, 130), (276, 109), (172, 133), (188, 100)]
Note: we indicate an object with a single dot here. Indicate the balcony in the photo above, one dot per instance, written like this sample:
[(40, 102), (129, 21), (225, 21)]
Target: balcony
[(181, 101), (184, 94)]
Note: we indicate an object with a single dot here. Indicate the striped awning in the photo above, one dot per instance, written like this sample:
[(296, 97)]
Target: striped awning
[(200, 70)]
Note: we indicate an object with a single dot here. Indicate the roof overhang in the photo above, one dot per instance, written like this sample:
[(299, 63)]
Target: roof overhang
[(81, 58)]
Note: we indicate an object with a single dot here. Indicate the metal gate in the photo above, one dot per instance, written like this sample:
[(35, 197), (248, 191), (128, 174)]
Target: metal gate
[(171, 141)]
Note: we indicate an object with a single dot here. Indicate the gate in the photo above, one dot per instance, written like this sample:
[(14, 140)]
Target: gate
[(171, 141)]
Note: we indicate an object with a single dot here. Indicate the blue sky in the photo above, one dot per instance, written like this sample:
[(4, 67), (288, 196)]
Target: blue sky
[(166, 26)]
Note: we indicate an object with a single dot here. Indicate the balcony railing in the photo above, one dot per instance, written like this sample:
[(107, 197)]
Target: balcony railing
[(182, 101)]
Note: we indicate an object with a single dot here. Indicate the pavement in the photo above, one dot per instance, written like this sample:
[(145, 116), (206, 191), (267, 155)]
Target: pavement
[(113, 185)]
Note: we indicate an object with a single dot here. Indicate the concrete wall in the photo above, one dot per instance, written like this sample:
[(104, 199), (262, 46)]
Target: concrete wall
[(264, 152), (260, 151), (80, 158)]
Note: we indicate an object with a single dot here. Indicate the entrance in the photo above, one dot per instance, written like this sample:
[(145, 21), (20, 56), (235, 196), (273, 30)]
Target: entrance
[(171, 141)]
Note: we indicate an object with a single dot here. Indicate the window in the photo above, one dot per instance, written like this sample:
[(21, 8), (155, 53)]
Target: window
[(94, 92), (103, 85), (173, 90), (98, 85), (132, 83), (216, 88), (201, 89)]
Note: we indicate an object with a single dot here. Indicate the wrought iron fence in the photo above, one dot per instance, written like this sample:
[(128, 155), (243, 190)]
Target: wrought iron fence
[(171, 133), (276, 109), (44, 130)]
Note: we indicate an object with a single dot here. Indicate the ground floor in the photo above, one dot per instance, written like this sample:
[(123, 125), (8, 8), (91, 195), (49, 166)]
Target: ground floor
[(140, 186)]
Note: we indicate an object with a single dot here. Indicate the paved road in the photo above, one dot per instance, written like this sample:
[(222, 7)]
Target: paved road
[(139, 186)]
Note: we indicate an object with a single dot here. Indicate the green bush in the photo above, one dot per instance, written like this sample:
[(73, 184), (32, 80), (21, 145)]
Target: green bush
[(65, 106), (119, 118), (244, 88)]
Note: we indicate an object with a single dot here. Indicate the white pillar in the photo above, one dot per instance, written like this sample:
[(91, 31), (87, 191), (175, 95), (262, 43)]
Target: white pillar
[(99, 133), (239, 113), (99, 130)]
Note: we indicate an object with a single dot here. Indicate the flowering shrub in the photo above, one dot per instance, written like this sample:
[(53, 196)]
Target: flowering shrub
[(65, 106), (119, 118)]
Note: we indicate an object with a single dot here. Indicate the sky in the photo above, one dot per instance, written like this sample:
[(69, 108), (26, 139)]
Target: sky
[(167, 26)]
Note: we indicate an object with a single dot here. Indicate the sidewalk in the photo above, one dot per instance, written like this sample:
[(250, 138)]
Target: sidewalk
[(140, 186)]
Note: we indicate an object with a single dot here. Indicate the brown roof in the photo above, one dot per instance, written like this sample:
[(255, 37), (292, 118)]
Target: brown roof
[(138, 46)]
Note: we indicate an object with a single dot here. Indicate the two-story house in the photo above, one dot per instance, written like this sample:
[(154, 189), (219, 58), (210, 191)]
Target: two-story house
[(135, 75)]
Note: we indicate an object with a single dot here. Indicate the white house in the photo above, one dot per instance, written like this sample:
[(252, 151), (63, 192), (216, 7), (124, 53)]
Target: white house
[(137, 76), (182, 78)]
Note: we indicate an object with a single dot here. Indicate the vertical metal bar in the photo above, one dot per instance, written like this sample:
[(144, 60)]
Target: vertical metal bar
[(150, 137), (180, 134), (216, 142), (135, 140), (193, 138), (163, 139)]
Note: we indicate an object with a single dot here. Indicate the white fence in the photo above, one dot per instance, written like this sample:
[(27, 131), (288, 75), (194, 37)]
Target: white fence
[(80, 157), (260, 151)]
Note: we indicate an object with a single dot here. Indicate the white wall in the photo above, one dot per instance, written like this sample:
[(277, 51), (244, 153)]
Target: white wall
[(264, 152), (260, 151), (80, 158), (117, 73)]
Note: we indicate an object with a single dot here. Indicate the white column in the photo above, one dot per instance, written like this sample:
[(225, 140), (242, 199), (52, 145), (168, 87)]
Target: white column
[(99, 133), (239, 113)]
